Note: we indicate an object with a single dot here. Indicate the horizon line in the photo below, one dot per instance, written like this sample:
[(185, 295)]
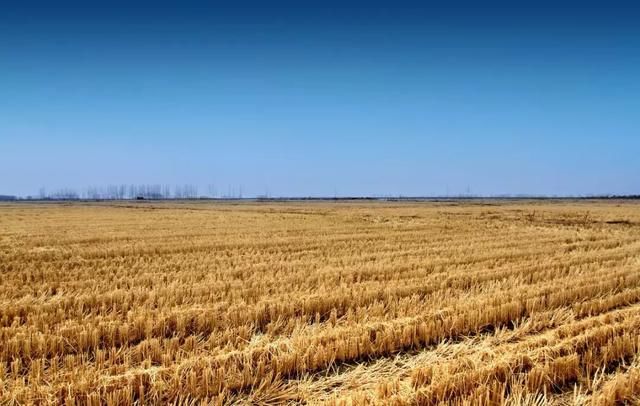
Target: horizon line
[(15, 198)]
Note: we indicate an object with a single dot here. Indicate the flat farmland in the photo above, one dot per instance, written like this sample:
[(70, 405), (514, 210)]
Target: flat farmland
[(336, 303)]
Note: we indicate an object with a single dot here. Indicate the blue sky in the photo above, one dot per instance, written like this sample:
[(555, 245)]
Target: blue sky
[(347, 98)]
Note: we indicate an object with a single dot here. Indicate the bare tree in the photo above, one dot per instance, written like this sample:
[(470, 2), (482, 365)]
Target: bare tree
[(92, 193), (212, 190)]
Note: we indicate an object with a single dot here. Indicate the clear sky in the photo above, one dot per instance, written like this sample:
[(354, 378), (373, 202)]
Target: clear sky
[(331, 97)]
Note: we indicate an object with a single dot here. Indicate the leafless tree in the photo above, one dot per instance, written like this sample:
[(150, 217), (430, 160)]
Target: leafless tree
[(212, 190)]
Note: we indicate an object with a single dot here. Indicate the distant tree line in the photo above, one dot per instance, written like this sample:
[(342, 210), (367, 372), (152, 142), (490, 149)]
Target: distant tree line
[(121, 192), (191, 191)]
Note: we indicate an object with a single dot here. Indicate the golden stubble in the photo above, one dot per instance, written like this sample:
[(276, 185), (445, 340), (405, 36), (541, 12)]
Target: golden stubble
[(343, 303)]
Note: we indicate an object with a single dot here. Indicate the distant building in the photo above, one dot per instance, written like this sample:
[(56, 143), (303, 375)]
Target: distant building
[(4, 198)]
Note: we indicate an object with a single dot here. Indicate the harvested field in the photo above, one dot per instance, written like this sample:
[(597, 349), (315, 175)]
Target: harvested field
[(336, 303)]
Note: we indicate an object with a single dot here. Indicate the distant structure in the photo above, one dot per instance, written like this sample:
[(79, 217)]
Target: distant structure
[(7, 198)]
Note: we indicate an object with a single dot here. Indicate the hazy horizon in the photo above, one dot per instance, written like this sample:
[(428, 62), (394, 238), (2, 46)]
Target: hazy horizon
[(331, 99), (237, 192)]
